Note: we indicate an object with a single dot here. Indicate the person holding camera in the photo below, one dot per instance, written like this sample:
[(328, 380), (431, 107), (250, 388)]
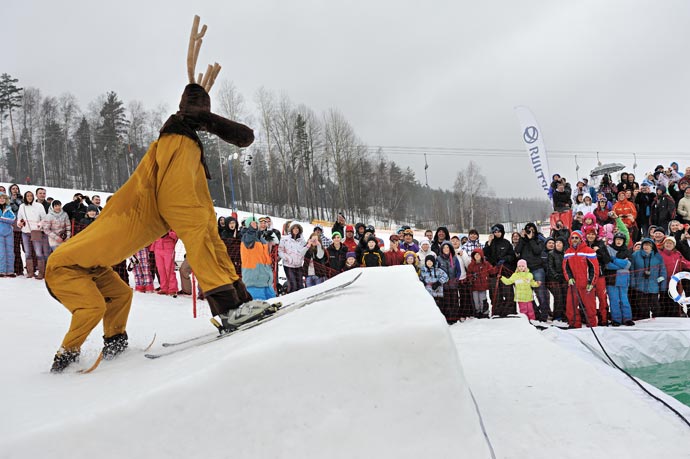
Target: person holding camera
[(531, 248), (76, 210), (56, 226), (257, 269)]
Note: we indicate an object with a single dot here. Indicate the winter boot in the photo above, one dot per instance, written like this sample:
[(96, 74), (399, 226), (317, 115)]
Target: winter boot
[(224, 300), (629, 323), (242, 292), (223, 304), (114, 345), (41, 269), (29, 268), (62, 359), (485, 309)]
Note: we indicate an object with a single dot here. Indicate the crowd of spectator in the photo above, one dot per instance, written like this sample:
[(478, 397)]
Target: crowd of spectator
[(607, 260)]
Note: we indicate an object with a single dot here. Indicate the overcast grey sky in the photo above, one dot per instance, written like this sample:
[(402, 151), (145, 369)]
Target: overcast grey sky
[(608, 76)]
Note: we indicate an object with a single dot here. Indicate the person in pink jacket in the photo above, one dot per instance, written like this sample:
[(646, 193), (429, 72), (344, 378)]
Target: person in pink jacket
[(164, 250)]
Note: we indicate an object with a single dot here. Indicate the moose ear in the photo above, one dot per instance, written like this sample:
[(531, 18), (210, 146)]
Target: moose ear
[(230, 131)]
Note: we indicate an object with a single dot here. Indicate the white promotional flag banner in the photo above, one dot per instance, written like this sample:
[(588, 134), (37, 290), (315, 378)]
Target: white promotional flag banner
[(534, 143)]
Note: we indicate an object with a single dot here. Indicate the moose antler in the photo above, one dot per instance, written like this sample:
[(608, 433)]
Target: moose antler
[(195, 39)]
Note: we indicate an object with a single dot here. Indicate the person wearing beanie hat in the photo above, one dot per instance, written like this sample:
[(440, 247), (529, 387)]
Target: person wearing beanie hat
[(350, 261), (325, 240), (339, 225), (90, 217), (350, 241), (472, 241), (425, 249), (359, 231), (674, 262), (663, 208), (410, 258), (408, 241), (500, 252), (617, 273), (147, 205), (372, 256), (658, 236), (337, 255), (257, 267), (555, 280), (649, 278), (581, 270), (599, 246), (433, 278), (524, 282)]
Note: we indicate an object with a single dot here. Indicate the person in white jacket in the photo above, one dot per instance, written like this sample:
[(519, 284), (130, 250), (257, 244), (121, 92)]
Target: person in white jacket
[(291, 250), (425, 249), (30, 218), (586, 206), (56, 225)]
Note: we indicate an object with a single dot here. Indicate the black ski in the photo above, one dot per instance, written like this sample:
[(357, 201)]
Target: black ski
[(285, 309)]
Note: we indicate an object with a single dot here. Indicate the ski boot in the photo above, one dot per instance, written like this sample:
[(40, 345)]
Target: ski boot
[(62, 359), (114, 345), (223, 305)]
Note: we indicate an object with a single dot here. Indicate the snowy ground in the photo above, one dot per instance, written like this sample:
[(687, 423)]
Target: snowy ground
[(372, 372), (539, 399)]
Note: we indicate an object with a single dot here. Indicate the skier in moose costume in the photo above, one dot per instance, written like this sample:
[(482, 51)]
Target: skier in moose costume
[(168, 190)]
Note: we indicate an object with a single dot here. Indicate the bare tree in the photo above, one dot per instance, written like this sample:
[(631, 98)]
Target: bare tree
[(469, 185)]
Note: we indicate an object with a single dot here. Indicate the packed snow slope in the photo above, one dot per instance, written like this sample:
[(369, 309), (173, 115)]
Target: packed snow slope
[(539, 399), (369, 373)]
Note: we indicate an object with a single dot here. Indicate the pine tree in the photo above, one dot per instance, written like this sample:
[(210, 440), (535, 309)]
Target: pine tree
[(82, 139), (10, 98), (111, 135)]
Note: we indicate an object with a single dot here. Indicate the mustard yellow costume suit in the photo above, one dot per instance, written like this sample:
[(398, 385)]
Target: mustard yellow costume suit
[(168, 190)]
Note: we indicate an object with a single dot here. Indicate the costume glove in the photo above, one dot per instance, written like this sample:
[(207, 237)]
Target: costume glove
[(571, 281)]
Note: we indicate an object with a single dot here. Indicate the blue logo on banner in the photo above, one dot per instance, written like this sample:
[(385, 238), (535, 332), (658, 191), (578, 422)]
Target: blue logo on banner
[(531, 134)]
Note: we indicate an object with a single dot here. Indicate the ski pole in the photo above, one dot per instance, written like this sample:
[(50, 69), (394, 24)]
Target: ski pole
[(193, 295)]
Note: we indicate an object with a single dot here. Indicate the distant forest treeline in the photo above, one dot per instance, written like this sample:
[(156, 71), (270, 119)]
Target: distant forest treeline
[(303, 165)]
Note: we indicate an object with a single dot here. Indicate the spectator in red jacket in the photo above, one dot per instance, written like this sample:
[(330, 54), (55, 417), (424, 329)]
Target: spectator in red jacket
[(478, 271), (350, 241), (394, 256), (581, 270)]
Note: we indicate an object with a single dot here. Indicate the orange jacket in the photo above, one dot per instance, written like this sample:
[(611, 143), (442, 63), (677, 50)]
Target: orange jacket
[(627, 211)]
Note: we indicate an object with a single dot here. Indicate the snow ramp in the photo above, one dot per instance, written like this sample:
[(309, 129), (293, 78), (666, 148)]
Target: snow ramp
[(371, 372)]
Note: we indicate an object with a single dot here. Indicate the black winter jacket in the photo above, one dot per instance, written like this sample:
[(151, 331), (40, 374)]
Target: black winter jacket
[(500, 251)]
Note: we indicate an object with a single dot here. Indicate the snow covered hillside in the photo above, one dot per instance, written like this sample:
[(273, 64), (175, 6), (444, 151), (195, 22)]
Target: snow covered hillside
[(371, 372)]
